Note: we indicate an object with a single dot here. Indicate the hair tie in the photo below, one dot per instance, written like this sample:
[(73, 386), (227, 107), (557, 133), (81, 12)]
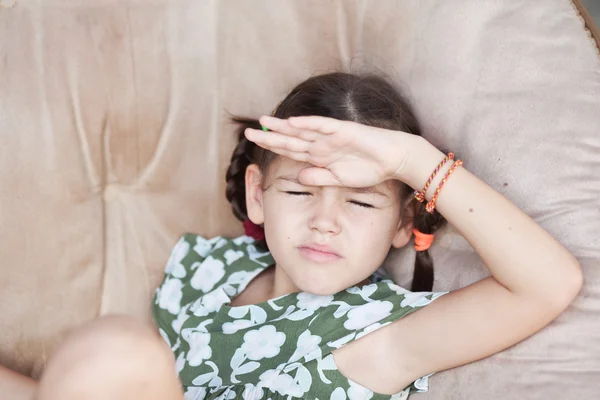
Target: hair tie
[(254, 231), (422, 240)]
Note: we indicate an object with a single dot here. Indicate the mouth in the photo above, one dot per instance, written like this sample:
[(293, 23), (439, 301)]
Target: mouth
[(319, 253)]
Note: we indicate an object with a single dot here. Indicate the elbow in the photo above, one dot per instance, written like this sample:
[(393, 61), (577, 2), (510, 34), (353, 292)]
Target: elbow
[(562, 291), (577, 281), (571, 286), (549, 302)]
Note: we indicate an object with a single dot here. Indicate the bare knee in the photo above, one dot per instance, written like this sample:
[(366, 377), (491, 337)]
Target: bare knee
[(114, 355), (110, 339)]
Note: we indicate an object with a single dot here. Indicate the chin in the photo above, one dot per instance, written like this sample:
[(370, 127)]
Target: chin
[(322, 290)]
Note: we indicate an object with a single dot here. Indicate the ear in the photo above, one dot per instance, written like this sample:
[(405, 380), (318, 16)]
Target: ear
[(405, 229), (254, 192)]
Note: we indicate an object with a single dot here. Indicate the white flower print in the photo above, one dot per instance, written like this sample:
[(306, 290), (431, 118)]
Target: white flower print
[(164, 336), (253, 338), (195, 393), (181, 318), (213, 377), (238, 324), (403, 395), (209, 303), (273, 305), (342, 309), (199, 347), (257, 316), (338, 394), (218, 242), (263, 343), (252, 392), (236, 365), (203, 247), (397, 289), (240, 277), (311, 301), (285, 315), (229, 394), (174, 266), (419, 299), (358, 392), (414, 299), (170, 296), (232, 255), (284, 384), (243, 240), (325, 364), (364, 291), (367, 314), (177, 344), (307, 347), (422, 384), (371, 328), (303, 378), (254, 254), (180, 363), (207, 274), (299, 315), (341, 341), (238, 281)]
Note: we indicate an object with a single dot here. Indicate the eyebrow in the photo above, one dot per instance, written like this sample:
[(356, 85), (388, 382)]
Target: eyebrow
[(365, 190)]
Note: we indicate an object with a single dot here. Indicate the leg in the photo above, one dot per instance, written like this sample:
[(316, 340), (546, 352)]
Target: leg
[(111, 358), (14, 386)]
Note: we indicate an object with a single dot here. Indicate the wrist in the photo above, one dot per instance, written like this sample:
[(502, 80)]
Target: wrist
[(421, 161)]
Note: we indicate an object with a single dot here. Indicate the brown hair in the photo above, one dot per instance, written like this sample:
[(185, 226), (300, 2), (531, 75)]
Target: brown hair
[(366, 99)]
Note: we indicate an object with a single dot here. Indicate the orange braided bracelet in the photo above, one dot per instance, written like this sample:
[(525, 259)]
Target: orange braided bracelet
[(431, 205), (420, 196)]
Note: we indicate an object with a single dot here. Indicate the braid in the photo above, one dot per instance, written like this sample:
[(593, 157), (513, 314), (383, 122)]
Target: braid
[(423, 274), (243, 155)]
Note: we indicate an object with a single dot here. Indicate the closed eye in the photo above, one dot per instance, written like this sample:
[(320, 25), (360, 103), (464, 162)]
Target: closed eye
[(358, 203), (298, 193)]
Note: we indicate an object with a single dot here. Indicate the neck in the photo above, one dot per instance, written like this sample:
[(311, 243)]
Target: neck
[(280, 284)]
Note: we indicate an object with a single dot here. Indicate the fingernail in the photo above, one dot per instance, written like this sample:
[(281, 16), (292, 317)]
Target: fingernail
[(264, 128)]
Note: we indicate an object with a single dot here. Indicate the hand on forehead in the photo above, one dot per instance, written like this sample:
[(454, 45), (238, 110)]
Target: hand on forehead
[(286, 169)]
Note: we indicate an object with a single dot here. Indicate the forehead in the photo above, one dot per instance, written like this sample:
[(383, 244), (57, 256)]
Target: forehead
[(286, 169)]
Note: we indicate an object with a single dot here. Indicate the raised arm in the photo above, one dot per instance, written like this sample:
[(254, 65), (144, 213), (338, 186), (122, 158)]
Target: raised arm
[(519, 253), (534, 278)]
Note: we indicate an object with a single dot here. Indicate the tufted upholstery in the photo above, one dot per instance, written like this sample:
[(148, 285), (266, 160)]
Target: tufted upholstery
[(114, 140)]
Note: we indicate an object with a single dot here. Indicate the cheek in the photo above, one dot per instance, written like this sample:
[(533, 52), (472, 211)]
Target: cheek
[(376, 228), (281, 218)]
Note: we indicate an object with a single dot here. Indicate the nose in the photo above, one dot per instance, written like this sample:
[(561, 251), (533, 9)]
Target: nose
[(325, 219)]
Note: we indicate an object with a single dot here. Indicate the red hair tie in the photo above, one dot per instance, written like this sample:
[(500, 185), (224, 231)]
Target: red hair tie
[(422, 240), (254, 231)]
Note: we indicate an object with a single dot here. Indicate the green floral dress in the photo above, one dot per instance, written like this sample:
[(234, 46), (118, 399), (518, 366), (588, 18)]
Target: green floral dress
[(278, 349)]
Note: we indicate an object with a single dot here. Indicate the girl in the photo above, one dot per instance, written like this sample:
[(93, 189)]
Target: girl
[(310, 318), (298, 308)]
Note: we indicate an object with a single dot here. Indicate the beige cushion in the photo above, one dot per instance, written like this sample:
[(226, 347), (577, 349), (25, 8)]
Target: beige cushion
[(114, 140)]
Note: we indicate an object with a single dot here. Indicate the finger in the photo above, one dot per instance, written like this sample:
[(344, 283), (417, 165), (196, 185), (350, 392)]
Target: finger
[(320, 124), (303, 157), (315, 176), (282, 126), (273, 140)]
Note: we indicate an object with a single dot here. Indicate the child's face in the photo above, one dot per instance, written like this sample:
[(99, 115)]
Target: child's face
[(321, 237)]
